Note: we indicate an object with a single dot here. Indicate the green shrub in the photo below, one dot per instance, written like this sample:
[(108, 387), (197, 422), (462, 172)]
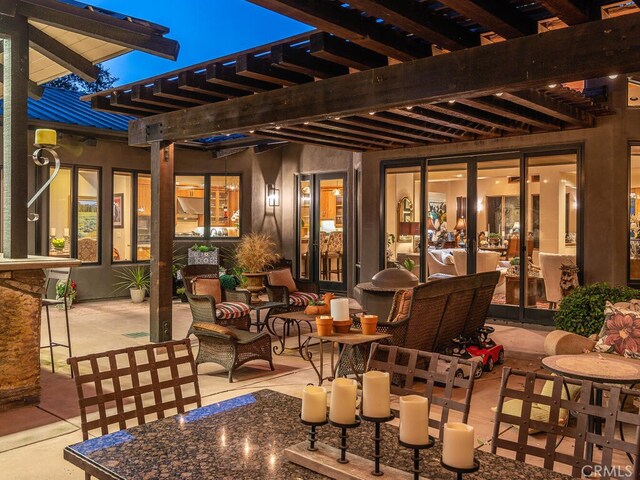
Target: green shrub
[(582, 311), (228, 282)]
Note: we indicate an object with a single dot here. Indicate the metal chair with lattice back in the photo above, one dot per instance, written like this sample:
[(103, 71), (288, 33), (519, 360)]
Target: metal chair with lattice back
[(55, 276), (528, 390), (122, 388), (440, 374)]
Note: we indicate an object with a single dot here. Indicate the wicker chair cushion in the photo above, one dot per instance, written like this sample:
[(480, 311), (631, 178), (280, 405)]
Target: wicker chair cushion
[(404, 305), (283, 278), (302, 299), (231, 310), (214, 327), (207, 286)]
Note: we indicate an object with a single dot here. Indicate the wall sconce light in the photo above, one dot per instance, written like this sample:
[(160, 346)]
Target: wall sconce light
[(273, 196)]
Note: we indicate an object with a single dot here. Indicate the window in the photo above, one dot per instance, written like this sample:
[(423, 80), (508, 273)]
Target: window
[(131, 217), (225, 206), (219, 217), (74, 214)]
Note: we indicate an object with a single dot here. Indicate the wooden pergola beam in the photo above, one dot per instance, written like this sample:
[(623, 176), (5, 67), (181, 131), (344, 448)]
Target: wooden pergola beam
[(571, 12), (142, 94), (170, 89), (440, 119), (499, 17), (314, 139), (197, 83), (345, 134), (547, 105), (337, 50), (97, 25), (418, 19), (511, 111), (260, 69), (390, 116), (475, 116), (402, 133), (345, 23), (339, 126), (225, 75), (299, 61), (34, 90), (62, 55), (599, 47)]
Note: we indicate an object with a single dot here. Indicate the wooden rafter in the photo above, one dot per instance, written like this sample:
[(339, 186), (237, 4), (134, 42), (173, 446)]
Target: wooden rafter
[(332, 17), (329, 131), (547, 105), (475, 116), (315, 140), (170, 89), (419, 20), (444, 120), (146, 95), (97, 25), (401, 133), (571, 12), (514, 112), (125, 100), (422, 125), (350, 54), (196, 82), (225, 75), (260, 69), (343, 126), (298, 60), (62, 55), (499, 17)]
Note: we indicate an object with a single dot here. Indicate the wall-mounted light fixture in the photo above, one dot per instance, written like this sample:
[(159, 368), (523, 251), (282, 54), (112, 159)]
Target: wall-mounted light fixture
[(273, 196)]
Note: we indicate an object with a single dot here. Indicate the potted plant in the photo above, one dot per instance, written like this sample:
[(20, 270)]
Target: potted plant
[(136, 280), (494, 239), (182, 293), (203, 254), (72, 291), (254, 254)]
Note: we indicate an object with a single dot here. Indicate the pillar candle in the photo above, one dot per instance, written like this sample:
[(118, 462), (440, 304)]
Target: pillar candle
[(46, 136), (414, 420), (457, 445), (376, 393), (314, 404), (53, 231), (66, 232), (340, 309), (343, 401)]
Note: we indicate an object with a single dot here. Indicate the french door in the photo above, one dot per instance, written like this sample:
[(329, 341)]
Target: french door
[(517, 213), (322, 230)]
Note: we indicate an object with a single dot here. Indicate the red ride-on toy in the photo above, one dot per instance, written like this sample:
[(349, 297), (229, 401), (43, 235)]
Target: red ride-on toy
[(480, 346)]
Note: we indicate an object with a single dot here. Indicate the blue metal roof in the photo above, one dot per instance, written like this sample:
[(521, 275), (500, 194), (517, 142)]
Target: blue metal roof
[(64, 106)]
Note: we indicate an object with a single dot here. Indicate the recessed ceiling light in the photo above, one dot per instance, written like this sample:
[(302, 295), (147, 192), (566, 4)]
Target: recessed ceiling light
[(278, 127), (306, 123), (372, 113), (409, 108), (634, 99), (613, 76), (552, 85), (252, 131), (499, 94), (452, 101), (338, 118)]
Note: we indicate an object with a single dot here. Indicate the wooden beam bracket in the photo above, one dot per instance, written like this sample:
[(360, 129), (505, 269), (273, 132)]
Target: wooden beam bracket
[(154, 132)]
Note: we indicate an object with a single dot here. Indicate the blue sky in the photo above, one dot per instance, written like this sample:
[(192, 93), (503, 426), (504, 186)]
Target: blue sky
[(206, 29)]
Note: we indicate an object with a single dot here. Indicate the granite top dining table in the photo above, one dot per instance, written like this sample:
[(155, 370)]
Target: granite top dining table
[(244, 438)]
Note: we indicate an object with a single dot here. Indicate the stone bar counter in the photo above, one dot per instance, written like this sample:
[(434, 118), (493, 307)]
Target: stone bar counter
[(21, 287)]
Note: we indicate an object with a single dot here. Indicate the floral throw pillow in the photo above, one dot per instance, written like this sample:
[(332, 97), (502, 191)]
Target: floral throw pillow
[(621, 330)]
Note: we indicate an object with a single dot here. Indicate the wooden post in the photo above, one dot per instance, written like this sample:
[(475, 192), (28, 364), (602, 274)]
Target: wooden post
[(162, 216), (16, 80)]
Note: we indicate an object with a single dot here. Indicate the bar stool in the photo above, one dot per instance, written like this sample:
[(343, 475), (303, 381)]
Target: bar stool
[(57, 275)]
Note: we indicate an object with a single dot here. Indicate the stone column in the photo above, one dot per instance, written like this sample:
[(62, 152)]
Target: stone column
[(20, 310)]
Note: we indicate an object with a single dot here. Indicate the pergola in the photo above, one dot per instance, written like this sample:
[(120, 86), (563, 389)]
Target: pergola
[(382, 74), (47, 39)]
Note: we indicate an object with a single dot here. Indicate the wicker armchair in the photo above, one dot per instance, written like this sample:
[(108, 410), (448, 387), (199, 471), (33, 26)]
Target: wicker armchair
[(230, 347), (293, 302), (233, 311)]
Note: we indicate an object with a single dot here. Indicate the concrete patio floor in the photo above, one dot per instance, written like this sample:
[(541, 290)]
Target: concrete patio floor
[(32, 438)]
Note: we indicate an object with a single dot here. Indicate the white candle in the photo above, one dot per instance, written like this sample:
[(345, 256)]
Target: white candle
[(314, 404), (376, 395), (66, 232), (343, 401), (414, 420), (53, 231), (457, 445), (340, 309)]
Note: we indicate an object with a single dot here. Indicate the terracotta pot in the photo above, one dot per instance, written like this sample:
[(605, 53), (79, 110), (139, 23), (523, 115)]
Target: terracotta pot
[(325, 325), (369, 324), (342, 326), (317, 310)]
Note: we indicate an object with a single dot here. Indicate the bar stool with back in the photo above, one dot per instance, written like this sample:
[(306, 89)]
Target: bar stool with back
[(57, 275)]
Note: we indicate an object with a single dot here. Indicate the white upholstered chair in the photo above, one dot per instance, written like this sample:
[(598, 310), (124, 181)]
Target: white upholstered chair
[(550, 264)]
